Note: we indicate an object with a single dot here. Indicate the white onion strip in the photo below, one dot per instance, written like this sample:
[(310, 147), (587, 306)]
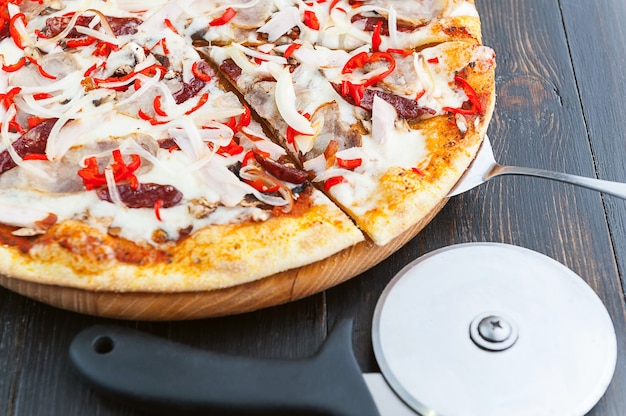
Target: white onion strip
[(114, 193), (251, 173), (55, 149), (286, 102), (263, 56), (146, 84), (98, 35), (63, 84), (42, 42)]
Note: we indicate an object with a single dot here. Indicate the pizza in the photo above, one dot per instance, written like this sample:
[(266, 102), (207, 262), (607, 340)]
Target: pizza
[(195, 145)]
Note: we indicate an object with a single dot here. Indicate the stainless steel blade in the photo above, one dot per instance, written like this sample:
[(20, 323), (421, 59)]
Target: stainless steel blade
[(485, 167), (477, 172), (387, 402)]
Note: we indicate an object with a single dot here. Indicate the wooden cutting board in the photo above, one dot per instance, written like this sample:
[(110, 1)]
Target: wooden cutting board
[(277, 289)]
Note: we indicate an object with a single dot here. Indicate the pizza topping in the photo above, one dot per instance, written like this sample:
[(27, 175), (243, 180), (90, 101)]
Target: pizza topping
[(120, 170), (231, 69), (406, 108), (286, 104), (279, 170), (473, 104), (333, 181), (144, 195), (380, 24), (26, 217), (33, 141), (362, 59), (73, 25), (228, 14), (17, 25), (281, 23), (77, 85), (349, 163), (311, 20)]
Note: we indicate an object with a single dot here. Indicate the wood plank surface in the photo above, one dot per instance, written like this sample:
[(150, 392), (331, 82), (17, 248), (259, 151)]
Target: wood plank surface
[(560, 107)]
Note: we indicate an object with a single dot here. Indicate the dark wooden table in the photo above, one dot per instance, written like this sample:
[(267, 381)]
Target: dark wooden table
[(561, 106)]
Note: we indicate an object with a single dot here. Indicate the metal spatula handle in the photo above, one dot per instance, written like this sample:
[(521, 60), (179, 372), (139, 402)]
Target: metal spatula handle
[(485, 167), (617, 189)]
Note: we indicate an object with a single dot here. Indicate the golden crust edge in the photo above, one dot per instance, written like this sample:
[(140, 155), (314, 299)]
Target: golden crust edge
[(296, 241)]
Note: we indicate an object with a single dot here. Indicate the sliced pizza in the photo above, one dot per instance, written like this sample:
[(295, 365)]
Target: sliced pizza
[(361, 122), (193, 145), (125, 166)]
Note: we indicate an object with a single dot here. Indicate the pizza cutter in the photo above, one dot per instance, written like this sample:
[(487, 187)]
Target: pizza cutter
[(471, 329)]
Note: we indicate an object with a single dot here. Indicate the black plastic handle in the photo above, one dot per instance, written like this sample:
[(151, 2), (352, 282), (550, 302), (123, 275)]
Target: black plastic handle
[(162, 377)]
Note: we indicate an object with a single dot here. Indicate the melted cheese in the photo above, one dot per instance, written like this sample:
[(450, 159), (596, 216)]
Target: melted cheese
[(95, 121)]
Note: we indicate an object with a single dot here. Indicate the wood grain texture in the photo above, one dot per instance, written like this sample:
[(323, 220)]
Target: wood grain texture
[(560, 101)]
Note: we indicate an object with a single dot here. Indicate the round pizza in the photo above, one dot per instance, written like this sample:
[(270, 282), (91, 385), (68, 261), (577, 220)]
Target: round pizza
[(189, 145)]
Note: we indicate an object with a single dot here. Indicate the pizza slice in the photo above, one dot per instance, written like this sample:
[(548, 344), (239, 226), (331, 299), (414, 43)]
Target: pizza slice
[(385, 134), (125, 166), (338, 24)]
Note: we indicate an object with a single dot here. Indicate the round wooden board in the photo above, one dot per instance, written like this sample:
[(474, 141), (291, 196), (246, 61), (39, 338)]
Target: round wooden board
[(274, 290)]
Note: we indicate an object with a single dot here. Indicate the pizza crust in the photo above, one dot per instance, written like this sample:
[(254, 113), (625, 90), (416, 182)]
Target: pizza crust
[(213, 258), (78, 254)]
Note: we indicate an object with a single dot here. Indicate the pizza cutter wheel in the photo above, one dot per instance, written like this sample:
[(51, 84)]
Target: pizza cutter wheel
[(493, 329), (472, 329)]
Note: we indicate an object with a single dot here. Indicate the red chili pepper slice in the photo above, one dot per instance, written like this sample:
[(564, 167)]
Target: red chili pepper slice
[(143, 115), (349, 163), (311, 20), (198, 73), (361, 59), (171, 27), (203, 99), (78, 43), (156, 103), (434, 60), (42, 96), (291, 133), (163, 43), (92, 178), (15, 126), (376, 38), (244, 120), (233, 148), (157, 209), (14, 67), (40, 68), (333, 181), (247, 157), (474, 105), (226, 17), (263, 186), (104, 49), (291, 49), (34, 121), (356, 91), (250, 155), (403, 52), (35, 156), (7, 98), (15, 34)]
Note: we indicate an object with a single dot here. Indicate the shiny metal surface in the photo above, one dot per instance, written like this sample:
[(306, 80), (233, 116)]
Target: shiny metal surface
[(560, 364), (485, 167)]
